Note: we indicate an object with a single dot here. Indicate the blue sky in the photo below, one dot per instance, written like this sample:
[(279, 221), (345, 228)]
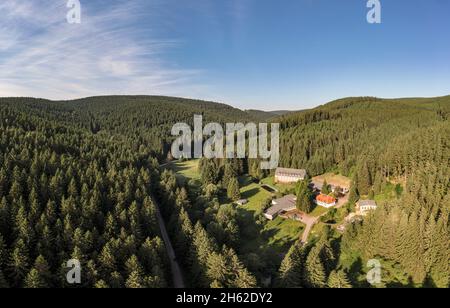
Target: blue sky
[(261, 54)]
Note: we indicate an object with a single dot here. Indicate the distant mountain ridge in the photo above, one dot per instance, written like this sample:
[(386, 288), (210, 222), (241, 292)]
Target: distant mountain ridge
[(266, 115)]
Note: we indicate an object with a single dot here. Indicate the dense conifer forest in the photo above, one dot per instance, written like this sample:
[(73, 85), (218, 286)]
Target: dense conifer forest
[(376, 142), (81, 180)]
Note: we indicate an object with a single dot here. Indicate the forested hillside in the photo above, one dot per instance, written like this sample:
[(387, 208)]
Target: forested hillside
[(80, 179), (145, 121), (379, 142), (76, 182)]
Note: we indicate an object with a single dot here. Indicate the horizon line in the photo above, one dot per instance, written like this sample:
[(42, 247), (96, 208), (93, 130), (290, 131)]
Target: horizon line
[(219, 102)]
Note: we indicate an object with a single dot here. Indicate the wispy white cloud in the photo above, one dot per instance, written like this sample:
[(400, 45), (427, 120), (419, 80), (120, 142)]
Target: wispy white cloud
[(41, 55)]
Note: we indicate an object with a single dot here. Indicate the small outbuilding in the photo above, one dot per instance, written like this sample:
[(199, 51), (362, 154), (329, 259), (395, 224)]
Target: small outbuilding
[(242, 202)]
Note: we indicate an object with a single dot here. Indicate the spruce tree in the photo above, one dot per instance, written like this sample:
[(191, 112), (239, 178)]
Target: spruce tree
[(233, 191), (304, 197), (18, 263), (135, 281), (229, 174), (101, 284), (439, 253), (364, 179), (116, 280), (43, 269), (315, 276), (34, 280), (3, 283), (241, 278), (4, 217), (353, 196), (290, 274), (338, 280), (202, 247), (3, 253), (107, 260), (326, 188), (218, 271)]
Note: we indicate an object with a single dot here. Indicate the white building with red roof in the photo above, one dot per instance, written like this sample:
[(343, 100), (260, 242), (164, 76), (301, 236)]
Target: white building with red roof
[(325, 201)]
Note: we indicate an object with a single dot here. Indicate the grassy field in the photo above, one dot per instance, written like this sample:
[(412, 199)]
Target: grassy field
[(278, 235), (187, 173), (254, 194), (283, 188), (389, 193), (283, 232), (187, 169), (318, 211)]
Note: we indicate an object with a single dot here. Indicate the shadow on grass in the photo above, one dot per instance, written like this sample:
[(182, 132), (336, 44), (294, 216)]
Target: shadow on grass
[(245, 180), (178, 168), (250, 193)]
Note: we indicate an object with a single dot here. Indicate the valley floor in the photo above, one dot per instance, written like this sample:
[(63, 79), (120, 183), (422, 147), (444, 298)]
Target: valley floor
[(259, 234)]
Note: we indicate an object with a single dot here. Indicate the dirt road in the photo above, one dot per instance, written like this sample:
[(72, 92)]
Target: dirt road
[(177, 275), (310, 221)]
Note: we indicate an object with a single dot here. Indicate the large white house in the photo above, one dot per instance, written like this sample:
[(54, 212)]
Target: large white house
[(325, 201), (363, 207), (288, 176)]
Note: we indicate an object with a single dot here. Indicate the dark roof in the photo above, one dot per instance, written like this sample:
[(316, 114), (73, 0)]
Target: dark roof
[(286, 203)]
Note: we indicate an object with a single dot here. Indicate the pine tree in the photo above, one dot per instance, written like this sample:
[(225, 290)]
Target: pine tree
[(148, 216), (229, 174), (241, 277), (19, 263), (34, 280), (22, 226), (353, 196), (304, 197), (183, 238), (225, 270), (338, 280), (233, 191), (135, 281), (43, 269), (3, 253), (209, 173), (290, 274), (378, 183), (107, 260), (217, 270), (244, 280), (326, 188), (327, 254), (315, 276), (439, 253), (151, 253), (16, 191), (101, 284), (202, 247), (116, 280), (364, 179), (255, 170), (133, 265), (3, 282), (4, 217)]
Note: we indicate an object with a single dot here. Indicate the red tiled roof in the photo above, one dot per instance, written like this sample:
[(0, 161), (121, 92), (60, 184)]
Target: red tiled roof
[(325, 199)]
